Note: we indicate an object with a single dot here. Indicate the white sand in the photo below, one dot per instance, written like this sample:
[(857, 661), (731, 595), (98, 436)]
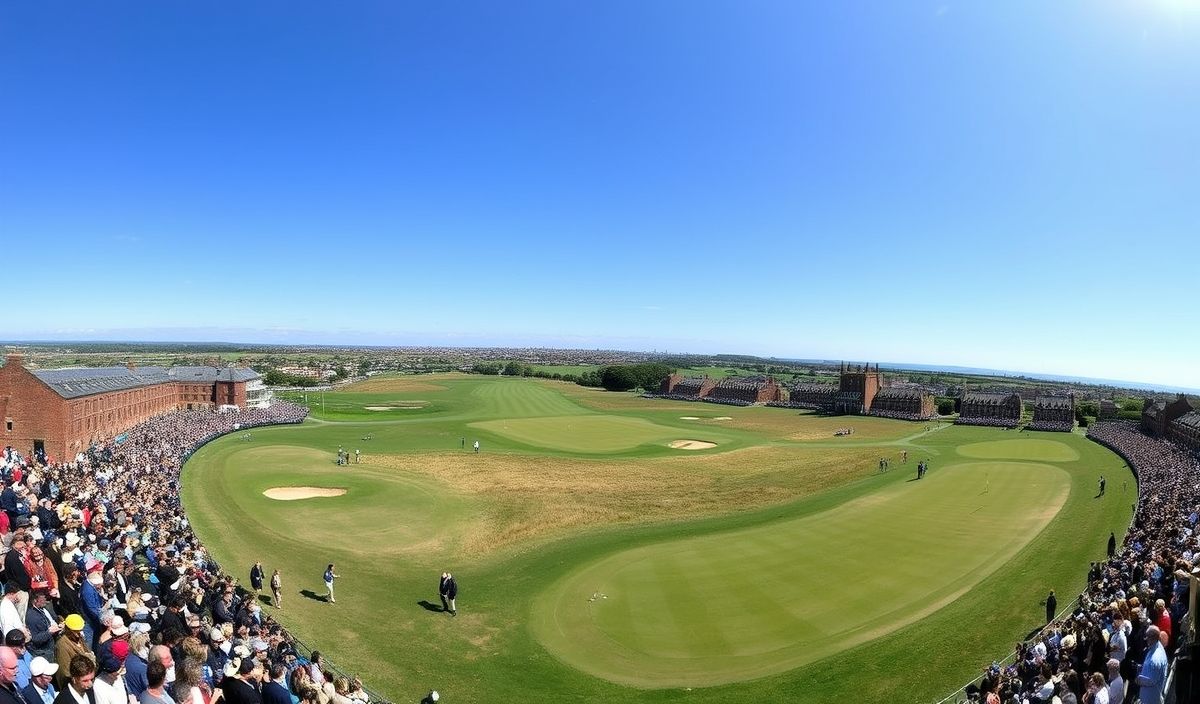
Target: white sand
[(391, 408), (689, 417), (293, 493), (691, 444), (723, 418)]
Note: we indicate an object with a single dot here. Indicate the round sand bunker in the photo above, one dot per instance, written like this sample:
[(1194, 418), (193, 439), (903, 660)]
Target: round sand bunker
[(691, 444), (294, 493)]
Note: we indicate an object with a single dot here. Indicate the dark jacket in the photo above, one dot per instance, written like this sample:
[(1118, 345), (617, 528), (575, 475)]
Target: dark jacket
[(275, 693), (32, 696), (41, 642), (65, 696), (451, 589), (14, 570), (239, 691), (10, 695)]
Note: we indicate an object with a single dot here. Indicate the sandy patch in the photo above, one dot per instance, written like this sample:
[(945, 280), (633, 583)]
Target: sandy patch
[(689, 417), (691, 444), (392, 408), (723, 418), (293, 493)]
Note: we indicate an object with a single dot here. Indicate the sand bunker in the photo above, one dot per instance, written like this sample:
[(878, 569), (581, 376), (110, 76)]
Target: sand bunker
[(723, 418), (691, 444), (293, 493), (689, 417), (391, 408)]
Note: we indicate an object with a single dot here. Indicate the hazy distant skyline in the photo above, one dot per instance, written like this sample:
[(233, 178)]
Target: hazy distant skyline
[(1008, 186)]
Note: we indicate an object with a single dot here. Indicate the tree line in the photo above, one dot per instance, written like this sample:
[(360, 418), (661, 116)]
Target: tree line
[(613, 377)]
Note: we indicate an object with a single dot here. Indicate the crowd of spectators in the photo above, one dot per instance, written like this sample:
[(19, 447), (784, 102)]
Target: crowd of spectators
[(1056, 426), (111, 599), (987, 422), (1114, 644), (900, 415), (727, 401)]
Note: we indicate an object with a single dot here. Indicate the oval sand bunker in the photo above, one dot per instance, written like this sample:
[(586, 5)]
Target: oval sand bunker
[(691, 444), (294, 493), (689, 417)]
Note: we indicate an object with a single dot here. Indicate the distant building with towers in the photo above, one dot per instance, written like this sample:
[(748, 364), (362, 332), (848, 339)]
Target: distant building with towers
[(857, 387)]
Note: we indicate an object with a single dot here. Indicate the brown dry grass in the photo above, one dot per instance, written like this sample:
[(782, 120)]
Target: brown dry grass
[(527, 498), (393, 384)]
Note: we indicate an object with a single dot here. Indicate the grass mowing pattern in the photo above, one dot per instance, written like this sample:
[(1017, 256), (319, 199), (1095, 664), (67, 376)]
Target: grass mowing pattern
[(744, 604), (395, 531)]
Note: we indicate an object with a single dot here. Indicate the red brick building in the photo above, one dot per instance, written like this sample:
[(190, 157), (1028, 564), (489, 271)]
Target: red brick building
[(62, 411), (1185, 430), (1158, 415), (755, 389), (857, 387)]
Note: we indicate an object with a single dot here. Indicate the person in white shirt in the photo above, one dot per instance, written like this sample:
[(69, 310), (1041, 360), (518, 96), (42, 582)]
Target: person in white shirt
[(10, 617), (1118, 645), (1116, 685)]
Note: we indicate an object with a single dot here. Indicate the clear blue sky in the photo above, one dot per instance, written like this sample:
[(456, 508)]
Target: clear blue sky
[(1010, 185)]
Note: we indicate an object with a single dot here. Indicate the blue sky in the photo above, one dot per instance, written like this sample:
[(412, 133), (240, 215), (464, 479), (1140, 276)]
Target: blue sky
[(1010, 185)]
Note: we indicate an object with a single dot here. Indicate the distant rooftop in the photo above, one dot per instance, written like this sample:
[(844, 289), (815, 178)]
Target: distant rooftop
[(84, 381)]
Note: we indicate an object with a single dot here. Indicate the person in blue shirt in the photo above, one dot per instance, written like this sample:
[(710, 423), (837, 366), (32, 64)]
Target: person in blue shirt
[(329, 577), (1152, 680)]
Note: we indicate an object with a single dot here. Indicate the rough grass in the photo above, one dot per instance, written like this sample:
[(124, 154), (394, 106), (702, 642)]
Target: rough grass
[(530, 498)]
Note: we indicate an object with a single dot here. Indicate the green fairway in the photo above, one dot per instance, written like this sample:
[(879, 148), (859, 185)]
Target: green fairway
[(779, 565), (1023, 448), (590, 433), (743, 604)]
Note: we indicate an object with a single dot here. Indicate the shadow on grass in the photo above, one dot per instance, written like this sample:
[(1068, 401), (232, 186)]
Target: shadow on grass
[(436, 608), (310, 594)]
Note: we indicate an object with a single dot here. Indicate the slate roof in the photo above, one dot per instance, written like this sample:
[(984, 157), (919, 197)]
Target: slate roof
[(980, 397), (1190, 419), (901, 393), (1054, 402), (75, 382)]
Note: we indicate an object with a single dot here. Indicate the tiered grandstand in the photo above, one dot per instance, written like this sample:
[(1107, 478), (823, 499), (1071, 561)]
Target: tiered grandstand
[(814, 397), (744, 391), (996, 410), (1053, 413), (903, 404)]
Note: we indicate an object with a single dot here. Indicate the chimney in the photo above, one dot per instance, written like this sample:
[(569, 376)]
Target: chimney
[(14, 357)]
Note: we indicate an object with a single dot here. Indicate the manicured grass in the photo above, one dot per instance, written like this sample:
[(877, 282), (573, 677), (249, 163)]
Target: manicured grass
[(590, 433), (739, 605), (418, 505)]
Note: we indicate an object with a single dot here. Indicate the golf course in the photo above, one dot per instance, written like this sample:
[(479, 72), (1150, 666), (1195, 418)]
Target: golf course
[(611, 548)]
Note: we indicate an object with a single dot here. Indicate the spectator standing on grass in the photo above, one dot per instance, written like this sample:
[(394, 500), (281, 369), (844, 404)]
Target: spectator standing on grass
[(442, 590), (277, 589), (451, 593), (1051, 603), (476, 446), (256, 578), (1112, 544), (330, 575)]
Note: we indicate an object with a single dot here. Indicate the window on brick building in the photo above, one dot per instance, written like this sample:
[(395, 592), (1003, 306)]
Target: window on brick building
[(8, 424)]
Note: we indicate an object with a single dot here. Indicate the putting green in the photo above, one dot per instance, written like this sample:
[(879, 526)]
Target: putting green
[(744, 604), (584, 433), (1023, 449)]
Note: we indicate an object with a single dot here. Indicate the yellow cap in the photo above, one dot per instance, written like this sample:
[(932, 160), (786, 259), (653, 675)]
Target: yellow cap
[(74, 622)]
